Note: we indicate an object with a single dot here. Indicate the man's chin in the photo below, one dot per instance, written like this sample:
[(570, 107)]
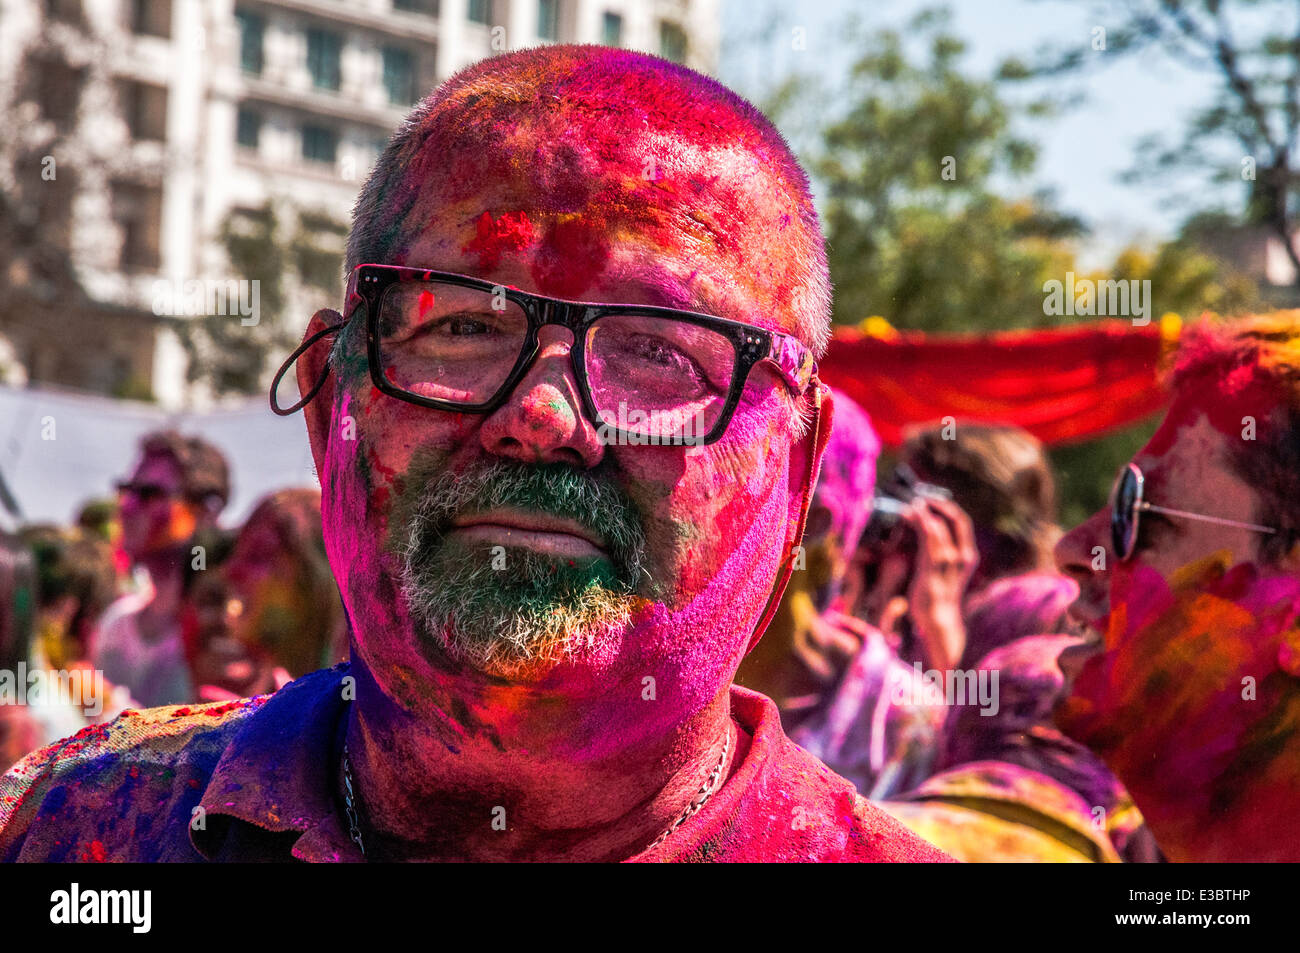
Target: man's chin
[(581, 653), (1081, 712)]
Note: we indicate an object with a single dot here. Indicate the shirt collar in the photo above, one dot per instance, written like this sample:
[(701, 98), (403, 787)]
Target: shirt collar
[(278, 775)]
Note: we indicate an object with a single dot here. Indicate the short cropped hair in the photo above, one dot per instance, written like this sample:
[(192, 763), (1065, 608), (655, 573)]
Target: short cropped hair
[(584, 91), (1250, 367), (205, 477)]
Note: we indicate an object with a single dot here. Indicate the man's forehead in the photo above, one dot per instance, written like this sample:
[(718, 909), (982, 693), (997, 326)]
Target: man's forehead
[(705, 228)]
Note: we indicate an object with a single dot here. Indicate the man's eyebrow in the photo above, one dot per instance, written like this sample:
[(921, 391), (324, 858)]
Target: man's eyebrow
[(666, 289)]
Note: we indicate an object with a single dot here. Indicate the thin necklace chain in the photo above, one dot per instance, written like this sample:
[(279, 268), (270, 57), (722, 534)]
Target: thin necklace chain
[(711, 784)]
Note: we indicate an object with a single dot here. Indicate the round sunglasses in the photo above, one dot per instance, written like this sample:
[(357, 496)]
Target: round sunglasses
[(1127, 505)]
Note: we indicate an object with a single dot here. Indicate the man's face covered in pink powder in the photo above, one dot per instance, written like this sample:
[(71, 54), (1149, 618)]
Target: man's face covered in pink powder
[(494, 563)]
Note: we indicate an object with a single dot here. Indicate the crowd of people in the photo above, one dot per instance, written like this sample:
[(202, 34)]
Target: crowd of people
[(566, 647), (151, 602)]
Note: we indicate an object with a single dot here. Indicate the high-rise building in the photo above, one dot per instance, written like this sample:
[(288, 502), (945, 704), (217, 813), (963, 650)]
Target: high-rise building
[(187, 124)]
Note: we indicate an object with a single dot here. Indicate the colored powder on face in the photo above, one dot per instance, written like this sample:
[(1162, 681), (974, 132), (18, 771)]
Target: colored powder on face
[(511, 232), (573, 254), (1225, 401), (1154, 704)]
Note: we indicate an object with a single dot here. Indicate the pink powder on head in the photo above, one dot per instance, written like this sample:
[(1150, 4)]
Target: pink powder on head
[(510, 232), (572, 256)]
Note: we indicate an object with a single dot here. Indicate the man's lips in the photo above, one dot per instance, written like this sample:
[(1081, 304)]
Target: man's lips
[(538, 531), (1090, 624)]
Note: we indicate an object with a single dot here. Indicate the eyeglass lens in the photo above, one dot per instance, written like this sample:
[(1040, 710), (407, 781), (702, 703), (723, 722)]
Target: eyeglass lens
[(1124, 512), (647, 375)]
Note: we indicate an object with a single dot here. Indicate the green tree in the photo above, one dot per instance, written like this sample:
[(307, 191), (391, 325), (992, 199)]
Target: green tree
[(917, 232), (1248, 133)]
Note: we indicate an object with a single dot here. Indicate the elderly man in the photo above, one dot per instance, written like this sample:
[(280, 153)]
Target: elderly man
[(566, 434), (1193, 573)]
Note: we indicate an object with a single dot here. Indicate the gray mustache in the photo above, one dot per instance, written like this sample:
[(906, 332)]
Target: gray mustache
[(556, 490)]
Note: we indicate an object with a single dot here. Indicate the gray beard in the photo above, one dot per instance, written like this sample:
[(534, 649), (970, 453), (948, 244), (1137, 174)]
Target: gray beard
[(513, 612)]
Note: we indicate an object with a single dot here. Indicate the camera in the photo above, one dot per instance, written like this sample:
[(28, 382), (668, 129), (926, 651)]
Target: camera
[(886, 533)]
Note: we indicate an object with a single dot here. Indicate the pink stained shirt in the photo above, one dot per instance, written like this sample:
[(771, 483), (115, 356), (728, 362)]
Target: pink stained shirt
[(261, 772)]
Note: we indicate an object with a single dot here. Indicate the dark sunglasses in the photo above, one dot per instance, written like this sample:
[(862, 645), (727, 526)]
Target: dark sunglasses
[(1127, 505), (645, 374), (144, 492)]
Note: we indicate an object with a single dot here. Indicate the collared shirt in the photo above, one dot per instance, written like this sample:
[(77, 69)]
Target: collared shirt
[(252, 780)]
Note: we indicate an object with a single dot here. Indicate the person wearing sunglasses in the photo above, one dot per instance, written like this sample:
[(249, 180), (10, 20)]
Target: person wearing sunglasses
[(1193, 575), (567, 425), (178, 488)]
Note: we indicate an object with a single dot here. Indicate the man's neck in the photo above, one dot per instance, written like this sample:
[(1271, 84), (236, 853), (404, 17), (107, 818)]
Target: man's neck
[(167, 581), (1254, 828), (437, 789)]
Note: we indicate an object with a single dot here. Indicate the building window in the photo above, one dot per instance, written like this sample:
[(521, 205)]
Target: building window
[(478, 11), (144, 107), (151, 17), (611, 32), (399, 76), (56, 87), (248, 128), (67, 11), (137, 209), (427, 7), (548, 19), (672, 42), (323, 54), (319, 144), (251, 28)]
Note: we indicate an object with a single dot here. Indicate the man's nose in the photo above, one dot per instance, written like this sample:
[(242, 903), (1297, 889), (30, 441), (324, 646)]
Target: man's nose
[(1077, 554), (542, 419)]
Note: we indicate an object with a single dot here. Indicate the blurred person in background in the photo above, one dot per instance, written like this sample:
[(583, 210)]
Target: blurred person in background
[(273, 612), (999, 479), (100, 519), (179, 487), (1192, 694), (20, 729), (1011, 787), (827, 670), (288, 603), (75, 582)]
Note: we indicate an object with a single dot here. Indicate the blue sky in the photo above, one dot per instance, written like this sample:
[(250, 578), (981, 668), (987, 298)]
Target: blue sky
[(1082, 152)]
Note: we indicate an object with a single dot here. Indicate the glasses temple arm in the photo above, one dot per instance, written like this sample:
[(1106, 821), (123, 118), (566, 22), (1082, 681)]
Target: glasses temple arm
[(1218, 520)]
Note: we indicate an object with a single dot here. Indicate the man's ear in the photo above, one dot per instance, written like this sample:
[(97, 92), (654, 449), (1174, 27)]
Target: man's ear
[(805, 462), (313, 366)]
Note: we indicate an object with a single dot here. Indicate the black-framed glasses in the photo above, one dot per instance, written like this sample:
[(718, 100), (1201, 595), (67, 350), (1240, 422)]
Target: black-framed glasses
[(645, 374), (1127, 504)]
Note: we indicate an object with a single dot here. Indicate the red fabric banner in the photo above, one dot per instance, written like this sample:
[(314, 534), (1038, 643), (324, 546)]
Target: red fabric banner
[(1060, 384)]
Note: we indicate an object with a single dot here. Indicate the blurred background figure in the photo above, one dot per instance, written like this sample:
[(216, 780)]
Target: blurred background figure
[(77, 580), (826, 670), (1011, 787), (1000, 477), (808, 645), (177, 489), (20, 730), (273, 613), (999, 480)]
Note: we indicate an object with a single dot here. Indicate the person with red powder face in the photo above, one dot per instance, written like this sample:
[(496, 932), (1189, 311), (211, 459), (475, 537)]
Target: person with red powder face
[(567, 431), (1193, 575), (177, 489)]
